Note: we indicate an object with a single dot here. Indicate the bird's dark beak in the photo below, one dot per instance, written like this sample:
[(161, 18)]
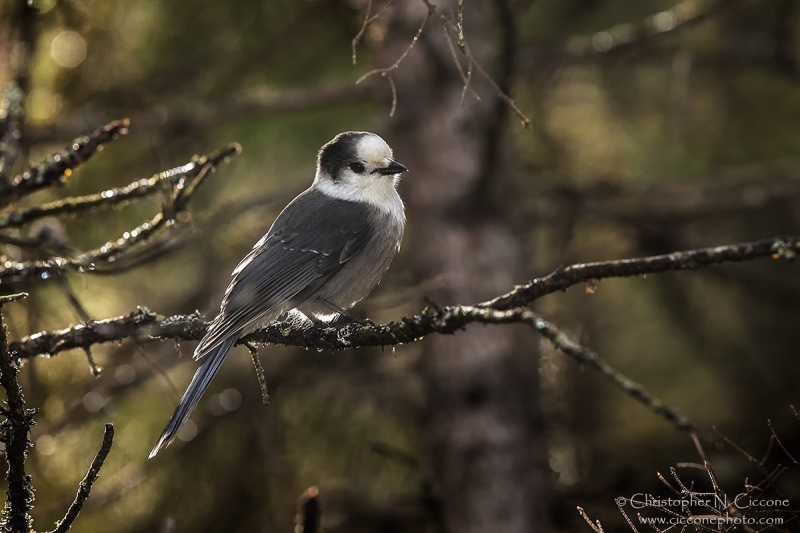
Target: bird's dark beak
[(393, 168)]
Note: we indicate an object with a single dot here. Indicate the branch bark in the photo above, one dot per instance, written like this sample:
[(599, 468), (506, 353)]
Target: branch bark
[(58, 167), (65, 524), (103, 259), (14, 434)]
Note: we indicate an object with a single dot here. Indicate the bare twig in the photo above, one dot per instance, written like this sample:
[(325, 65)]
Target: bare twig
[(103, 259), (58, 167), (394, 66), (775, 437), (449, 28), (506, 309), (447, 320), (777, 247), (624, 36), (368, 20), (588, 357), (460, 24), (143, 323), (108, 198), (597, 527), (260, 375), (14, 434), (85, 488)]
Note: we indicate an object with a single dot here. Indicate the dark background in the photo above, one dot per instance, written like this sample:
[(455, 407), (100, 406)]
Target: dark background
[(655, 127)]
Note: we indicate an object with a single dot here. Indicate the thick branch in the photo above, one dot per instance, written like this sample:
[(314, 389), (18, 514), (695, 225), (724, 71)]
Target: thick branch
[(507, 309), (14, 434), (143, 323), (85, 487), (58, 167)]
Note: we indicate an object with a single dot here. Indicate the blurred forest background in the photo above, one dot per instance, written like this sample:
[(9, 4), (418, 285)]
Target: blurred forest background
[(654, 126)]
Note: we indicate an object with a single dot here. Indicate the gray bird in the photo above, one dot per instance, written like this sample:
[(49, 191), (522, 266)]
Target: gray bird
[(325, 252)]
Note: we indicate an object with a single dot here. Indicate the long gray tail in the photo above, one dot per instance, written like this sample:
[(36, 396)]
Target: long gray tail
[(202, 378)]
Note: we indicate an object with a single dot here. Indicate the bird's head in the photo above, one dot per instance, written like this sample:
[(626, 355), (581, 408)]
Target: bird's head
[(356, 162)]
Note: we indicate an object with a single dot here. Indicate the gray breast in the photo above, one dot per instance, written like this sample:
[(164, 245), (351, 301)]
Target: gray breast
[(356, 279)]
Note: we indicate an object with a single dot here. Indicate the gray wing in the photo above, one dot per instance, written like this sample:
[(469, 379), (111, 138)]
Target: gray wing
[(309, 242)]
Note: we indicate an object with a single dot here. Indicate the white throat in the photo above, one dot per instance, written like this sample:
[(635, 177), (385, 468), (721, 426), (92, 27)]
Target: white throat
[(378, 191)]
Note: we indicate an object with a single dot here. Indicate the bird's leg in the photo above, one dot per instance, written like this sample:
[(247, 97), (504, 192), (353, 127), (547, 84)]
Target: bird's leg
[(349, 316)]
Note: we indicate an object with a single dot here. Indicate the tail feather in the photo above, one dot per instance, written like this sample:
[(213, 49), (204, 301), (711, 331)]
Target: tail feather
[(202, 378)]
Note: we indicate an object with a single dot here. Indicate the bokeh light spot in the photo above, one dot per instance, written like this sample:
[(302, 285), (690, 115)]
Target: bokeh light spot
[(44, 5), (41, 104), (93, 401), (68, 49), (188, 431), (46, 445), (230, 399), (125, 374)]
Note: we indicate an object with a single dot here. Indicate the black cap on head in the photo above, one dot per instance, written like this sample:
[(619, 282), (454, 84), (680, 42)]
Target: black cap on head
[(339, 152)]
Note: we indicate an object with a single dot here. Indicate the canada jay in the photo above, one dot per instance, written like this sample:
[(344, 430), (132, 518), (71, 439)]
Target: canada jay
[(326, 251)]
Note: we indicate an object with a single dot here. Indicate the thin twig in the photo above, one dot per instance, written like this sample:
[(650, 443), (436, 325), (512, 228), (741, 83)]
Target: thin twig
[(775, 436), (108, 198), (64, 525), (103, 259), (260, 375), (385, 70), (786, 247), (625, 36), (460, 24), (58, 167), (590, 358), (367, 21), (447, 27)]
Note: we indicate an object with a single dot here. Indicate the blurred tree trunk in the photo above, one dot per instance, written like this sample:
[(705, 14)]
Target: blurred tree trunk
[(484, 424)]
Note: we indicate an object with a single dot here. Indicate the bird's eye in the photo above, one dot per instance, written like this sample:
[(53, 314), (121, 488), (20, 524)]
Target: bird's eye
[(357, 167)]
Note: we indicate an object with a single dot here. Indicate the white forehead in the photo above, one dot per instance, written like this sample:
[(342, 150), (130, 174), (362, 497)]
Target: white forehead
[(373, 149)]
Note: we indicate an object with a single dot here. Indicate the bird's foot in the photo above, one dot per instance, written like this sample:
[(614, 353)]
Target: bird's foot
[(316, 326)]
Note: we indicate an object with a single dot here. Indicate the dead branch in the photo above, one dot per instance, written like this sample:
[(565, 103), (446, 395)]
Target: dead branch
[(777, 247), (108, 198), (85, 487), (681, 16), (14, 434), (58, 167), (510, 308), (103, 258)]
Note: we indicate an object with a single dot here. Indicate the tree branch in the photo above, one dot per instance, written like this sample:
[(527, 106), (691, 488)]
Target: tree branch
[(108, 198), (681, 16), (85, 487), (14, 434), (103, 258), (145, 324), (777, 247), (510, 308), (58, 167)]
